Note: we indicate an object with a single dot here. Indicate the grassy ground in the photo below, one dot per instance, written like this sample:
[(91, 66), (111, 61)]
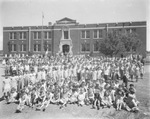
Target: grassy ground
[(85, 112)]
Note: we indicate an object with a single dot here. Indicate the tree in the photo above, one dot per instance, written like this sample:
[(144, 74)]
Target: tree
[(131, 41), (112, 44)]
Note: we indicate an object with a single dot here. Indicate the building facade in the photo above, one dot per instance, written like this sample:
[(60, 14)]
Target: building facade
[(65, 35)]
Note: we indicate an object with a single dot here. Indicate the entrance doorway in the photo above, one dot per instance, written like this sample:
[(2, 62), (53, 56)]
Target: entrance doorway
[(65, 49)]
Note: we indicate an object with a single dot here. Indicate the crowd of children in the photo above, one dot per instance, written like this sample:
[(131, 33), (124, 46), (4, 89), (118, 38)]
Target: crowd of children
[(83, 80)]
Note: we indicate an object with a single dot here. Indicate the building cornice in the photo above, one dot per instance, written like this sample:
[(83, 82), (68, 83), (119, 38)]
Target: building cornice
[(81, 28)]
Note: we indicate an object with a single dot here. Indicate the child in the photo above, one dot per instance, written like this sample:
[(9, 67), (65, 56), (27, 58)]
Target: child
[(131, 101), (13, 96), (40, 99), (96, 97), (106, 101), (81, 97), (119, 99), (22, 101), (6, 88), (73, 98), (46, 101), (90, 95)]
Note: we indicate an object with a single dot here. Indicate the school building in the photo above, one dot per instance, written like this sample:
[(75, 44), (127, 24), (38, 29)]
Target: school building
[(65, 35)]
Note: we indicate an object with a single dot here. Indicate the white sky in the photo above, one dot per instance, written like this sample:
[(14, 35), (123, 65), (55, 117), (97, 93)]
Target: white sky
[(29, 12)]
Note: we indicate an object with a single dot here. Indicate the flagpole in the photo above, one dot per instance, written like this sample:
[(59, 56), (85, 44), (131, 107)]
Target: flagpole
[(42, 35)]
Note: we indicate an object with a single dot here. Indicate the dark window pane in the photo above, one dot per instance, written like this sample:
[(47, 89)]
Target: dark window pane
[(87, 47), (15, 48), (65, 34), (82, 47), (25, 35), (10, 47), (39, 47), (95, 33), (15, 35), (20, 34), (83, 34), (49, 47), (45, 35), (20, 47), (35, 36), (87, 34), (39, 35), (24, 47), (10, 35), (50, 35), (96, 46), (34, 47), (100, 33), (134, 30)]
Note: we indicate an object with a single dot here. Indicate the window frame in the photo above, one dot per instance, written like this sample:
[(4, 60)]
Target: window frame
[(23, 46), (24, 36), (98, 32), (13, 34), (94, 48), (13, 48), (38, 35), (86, 47), (67, 35), (85, 34)]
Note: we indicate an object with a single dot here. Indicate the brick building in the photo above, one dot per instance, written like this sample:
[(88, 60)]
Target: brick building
[(65, 35)]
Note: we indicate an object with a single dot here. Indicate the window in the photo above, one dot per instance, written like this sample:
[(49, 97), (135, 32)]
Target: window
[(13, 35), (96, 46), (23, 47), (133, 30), (85, 34), (66, 34), (95, 34), (36, 35), (85, 47), (39, 35), (128, 30), (47, 35), (13, 47), (22, 35), (37, 47), (49, 47), (98, 33)]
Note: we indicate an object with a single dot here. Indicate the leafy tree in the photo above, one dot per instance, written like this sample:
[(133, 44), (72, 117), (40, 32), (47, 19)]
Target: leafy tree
[(131, 41), (112, 44)]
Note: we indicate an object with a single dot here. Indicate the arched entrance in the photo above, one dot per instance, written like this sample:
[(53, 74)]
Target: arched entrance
[(65, 48)]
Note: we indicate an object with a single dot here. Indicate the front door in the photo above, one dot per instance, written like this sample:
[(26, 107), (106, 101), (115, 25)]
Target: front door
[(65, 49)]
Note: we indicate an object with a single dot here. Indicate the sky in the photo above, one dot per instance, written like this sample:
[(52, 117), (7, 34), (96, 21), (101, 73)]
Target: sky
[(29, 12)]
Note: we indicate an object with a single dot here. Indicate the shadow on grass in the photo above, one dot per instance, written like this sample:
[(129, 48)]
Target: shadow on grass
[(1, 99)]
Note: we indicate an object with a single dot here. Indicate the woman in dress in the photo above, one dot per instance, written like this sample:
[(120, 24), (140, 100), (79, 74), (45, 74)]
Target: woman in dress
[(6, 88)]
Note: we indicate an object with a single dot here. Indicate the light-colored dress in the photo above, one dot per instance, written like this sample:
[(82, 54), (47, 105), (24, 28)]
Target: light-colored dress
[(7, 86)]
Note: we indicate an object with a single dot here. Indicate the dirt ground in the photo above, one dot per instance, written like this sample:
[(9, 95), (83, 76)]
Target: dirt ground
[(7, 111)]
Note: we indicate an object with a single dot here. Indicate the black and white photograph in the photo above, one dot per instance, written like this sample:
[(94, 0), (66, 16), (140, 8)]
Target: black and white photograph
[(74, 59)]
